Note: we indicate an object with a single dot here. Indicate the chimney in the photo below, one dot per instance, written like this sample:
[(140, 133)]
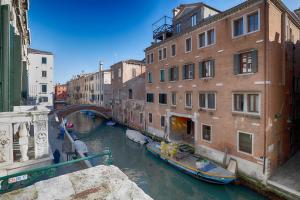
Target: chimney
[(297, 12), (175, 12), (100, 66)]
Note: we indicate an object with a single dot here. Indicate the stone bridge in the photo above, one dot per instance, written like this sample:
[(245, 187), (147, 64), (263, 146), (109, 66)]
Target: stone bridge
[(104, 112)]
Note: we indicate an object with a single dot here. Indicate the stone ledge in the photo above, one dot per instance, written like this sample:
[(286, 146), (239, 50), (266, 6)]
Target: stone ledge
[(100, 182)]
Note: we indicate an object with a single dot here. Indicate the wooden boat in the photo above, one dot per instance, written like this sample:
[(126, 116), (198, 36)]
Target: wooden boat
[(136, 136), (199, 168)]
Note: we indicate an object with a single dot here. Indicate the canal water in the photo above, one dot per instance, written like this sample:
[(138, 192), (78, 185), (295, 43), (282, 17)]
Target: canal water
[(156, 178)]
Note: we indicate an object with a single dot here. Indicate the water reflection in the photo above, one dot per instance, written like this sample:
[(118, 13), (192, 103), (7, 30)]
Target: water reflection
[(155, 177)]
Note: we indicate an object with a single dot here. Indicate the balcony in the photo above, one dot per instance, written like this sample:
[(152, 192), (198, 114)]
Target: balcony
[(162, 29)]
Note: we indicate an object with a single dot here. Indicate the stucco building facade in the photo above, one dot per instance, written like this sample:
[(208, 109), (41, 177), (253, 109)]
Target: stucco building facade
[(40, 77), (223, 82)]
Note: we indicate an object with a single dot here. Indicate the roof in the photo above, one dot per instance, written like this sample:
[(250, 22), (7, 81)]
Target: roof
[(132, 61), (199, 4), (228, 12), (36, 51)]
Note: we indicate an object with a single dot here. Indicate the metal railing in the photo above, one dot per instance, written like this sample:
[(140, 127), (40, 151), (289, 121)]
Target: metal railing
[(29, 177)]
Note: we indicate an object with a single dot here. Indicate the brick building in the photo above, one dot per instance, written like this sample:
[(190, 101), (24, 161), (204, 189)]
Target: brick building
[(128, 92), (223, 82)]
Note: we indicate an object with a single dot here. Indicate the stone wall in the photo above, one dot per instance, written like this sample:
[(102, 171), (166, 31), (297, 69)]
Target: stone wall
[(100, 182)]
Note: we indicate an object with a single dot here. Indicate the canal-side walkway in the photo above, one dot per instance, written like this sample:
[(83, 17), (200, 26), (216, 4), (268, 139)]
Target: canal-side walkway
[(59, 144), (287, 177)]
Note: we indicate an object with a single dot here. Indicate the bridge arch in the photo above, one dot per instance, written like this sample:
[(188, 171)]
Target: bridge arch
[(104, 112)]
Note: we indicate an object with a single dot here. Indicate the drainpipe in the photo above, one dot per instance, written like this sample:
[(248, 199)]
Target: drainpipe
[(266, 17)]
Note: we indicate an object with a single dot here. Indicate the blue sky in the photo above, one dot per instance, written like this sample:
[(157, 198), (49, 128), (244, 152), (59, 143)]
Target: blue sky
[(82, 32)]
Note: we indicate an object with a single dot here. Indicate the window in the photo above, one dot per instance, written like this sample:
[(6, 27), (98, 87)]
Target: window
[(162, 121), (44, 60), (43, 99), (119, 72), (253, 103), (178, 28), (207, 100), (188, 71), (245, 142), (238, 27), (188, 45), (252, 21), (211, 37), (44, 74), (130, 93), (44, 88), (173, 98), (246, 102), (150, 97), (207, 69), (163, 98), (188, 99), (162, 75), (194, 20), (246, 62), (173, 50), (201, 40), (164, 53), (133, 72), (160, 54), (206, 132), (149, 77), (141, 118), (150, 117), (150, 58), (173, 73)]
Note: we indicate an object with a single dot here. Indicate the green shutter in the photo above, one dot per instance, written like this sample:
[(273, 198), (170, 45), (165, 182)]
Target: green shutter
[(5, 58), (176, 73), (213, 68), (18, 70), (200, 69), (254, 61), (169, 72), (193, 70), (236, 65), (183, 72), (12, 66)]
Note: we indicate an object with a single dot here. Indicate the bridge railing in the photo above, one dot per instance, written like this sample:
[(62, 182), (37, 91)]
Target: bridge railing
[(29, 177)]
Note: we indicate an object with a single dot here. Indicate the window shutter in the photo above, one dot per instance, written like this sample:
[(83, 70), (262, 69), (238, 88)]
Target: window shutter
[(169, 72), (213, 68), (183, 72), (176, 73), (193, 70), (236, 67), (200, 69), (254, 60)]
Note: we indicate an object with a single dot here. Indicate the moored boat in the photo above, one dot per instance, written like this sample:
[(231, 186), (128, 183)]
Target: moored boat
[(193, 165), (110, 123), (136, 136)]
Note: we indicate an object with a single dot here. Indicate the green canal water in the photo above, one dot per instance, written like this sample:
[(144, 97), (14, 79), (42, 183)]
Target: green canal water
[(156, 178)]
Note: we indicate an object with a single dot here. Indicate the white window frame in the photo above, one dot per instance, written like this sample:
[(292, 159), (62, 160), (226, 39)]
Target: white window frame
[(119, 72), (186, 46), (164, 48), (160, 50), (211, 131), (245, 108), (238, 144), (245, 24), (206, 38), (151, 55), (206, 100), (176, 27), (191, 99)]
